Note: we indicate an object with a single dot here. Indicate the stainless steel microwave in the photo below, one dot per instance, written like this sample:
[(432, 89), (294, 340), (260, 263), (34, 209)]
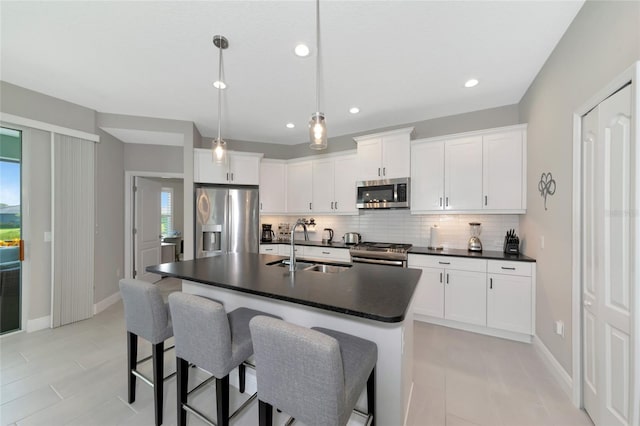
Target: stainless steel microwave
[(383, 194)]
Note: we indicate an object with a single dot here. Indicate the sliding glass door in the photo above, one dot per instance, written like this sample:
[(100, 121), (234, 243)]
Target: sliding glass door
[(10, 229)]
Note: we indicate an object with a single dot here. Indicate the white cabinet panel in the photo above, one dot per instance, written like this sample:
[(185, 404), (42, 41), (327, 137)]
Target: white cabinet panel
[(427, 176), (330, 253), (299, 187), (429, 297), (502, 170), (272, 187), (323, 186), (370, 159), (239, 168), (244, 169), (465, 296), (268, 249), (205, 170), (285, 250), (463, 174), (345, 176), (384, 155), (396, 156), (509, 303)]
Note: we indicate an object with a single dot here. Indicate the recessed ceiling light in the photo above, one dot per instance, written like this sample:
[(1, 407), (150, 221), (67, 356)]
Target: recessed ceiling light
[(218, 84), (471, 83), (290, 125), (354, 110), (301, 50)]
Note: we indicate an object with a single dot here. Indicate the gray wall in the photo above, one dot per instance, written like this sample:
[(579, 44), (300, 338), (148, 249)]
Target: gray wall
[(109, 238), (602, 41), (153, 158), (476, 120)]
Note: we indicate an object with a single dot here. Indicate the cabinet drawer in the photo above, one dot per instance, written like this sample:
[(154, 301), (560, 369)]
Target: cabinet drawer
[(268, 248), (285, 250), (510, 268), (448, 262), (329, 253)]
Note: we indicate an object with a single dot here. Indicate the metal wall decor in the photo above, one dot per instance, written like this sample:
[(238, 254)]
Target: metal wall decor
[(546, 186)]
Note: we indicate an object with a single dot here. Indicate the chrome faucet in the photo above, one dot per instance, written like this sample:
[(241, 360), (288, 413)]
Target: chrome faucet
[(292, 259)]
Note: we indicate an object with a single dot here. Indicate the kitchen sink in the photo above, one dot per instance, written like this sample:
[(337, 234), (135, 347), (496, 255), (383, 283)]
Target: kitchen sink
[(327, 269), (301, 265)]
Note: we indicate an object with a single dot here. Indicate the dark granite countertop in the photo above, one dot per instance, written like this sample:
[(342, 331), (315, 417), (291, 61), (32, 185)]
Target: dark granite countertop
[(313, 244), (486, 254), (375, 292)]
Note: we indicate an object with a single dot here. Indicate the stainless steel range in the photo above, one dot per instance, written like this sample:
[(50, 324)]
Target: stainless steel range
[(380, 253)]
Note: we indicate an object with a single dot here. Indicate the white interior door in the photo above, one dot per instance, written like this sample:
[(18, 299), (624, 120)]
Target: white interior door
[(147, 238), (608, 261)]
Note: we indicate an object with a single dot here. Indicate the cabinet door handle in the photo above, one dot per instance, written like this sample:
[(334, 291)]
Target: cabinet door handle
[(447, 278), (508, 269), (332, 205), (444, 263), (227, 176), (326, 252), (447, 201), (378, 171), (485, 200), (309, 206), (440, 201), (384, 171), (336, 205), (491, 283), (269, 249), (440, 277), (260, 205)]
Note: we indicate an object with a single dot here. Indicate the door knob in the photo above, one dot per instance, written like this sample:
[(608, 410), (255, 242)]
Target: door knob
[(587, 303)]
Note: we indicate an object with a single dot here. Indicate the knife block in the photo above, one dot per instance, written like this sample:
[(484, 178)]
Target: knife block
[(511, 244)]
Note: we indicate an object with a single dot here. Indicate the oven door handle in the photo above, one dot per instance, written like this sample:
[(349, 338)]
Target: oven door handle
[(377, 261)]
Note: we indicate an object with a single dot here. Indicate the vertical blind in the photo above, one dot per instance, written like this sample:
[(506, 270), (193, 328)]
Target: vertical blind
[(73, 208)]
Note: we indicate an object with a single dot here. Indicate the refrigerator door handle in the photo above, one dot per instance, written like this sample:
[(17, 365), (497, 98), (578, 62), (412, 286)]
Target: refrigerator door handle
[(230, 226)]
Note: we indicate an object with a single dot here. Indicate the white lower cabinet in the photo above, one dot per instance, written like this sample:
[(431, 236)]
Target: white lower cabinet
[(268, 249), (329, 253), (285, 250), (510, 296), (487, 294)]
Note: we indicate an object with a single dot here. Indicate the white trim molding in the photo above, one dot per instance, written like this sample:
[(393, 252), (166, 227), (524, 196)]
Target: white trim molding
[(37, 324), (562, 377), (106, 302), (27, 122)]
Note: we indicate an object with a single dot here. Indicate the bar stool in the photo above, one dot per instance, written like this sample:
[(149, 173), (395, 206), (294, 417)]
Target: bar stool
[(315, 375), (147, 316), (214, 341)]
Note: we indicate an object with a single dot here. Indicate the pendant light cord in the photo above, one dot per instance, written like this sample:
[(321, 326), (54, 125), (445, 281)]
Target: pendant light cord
[(219, 91), (317, 55)]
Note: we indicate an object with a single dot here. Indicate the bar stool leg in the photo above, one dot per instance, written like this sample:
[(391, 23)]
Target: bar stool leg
[(222, 400), (158, 379), (265, 413), (182, 370), (241, 377), (371, 395), (132, 360)]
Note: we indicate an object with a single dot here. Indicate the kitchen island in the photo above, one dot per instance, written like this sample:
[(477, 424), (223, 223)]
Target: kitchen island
[(370, 301)]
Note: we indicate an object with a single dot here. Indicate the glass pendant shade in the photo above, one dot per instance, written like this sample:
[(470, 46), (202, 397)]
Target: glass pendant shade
[(219, 150), (318, 131)]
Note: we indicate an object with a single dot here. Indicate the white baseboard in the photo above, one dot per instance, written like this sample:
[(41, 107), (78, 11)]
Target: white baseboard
[(563, 378), (106, 302), (519, 337), (38, 324), (406, 412)]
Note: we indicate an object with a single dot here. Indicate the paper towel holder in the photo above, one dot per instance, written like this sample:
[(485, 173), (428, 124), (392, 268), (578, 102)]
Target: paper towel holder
[(434, 243)]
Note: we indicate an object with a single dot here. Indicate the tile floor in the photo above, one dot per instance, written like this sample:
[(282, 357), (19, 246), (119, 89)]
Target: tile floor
[(75, 375)]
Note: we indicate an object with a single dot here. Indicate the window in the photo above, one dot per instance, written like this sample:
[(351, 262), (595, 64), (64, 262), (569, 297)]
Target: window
[(166, 211)]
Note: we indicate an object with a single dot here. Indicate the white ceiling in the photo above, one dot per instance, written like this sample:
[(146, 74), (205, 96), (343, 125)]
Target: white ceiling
[(399, 61)]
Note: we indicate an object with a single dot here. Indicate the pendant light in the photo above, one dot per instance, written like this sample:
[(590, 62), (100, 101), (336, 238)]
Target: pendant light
[(317, 124), (219, 146)]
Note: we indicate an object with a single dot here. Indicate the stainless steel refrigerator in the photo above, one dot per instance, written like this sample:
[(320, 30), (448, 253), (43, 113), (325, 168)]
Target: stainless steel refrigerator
[(227, 220)]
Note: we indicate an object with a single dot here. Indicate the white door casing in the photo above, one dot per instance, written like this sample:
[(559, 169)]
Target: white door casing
[(607, 261), (147, 240)]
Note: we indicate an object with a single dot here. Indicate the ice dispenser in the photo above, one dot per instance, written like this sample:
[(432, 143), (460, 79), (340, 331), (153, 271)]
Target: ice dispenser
[(211, 238)]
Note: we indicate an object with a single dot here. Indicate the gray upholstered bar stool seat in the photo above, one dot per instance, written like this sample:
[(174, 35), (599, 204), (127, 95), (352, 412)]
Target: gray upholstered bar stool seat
[(315, 375), (214, 341), (147, 316)]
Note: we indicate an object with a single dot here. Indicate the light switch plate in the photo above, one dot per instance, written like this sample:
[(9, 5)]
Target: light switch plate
[(560, 328)]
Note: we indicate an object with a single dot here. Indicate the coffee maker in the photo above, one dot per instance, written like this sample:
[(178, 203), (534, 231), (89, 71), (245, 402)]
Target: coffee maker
[(267, 233)]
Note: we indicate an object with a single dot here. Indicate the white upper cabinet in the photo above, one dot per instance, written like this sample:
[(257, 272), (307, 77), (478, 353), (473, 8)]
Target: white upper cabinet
[(240, 168), (273, 181), (502, 171), (334, 185), (477, 171), (463, 174), (299, 187), (384, 155), (427, 176)]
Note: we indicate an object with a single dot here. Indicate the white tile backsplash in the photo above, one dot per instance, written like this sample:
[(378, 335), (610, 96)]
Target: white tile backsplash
[(400, 226)]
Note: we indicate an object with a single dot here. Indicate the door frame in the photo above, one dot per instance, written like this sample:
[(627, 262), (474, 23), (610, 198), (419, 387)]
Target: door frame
[(631, 74), (129, 176)]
